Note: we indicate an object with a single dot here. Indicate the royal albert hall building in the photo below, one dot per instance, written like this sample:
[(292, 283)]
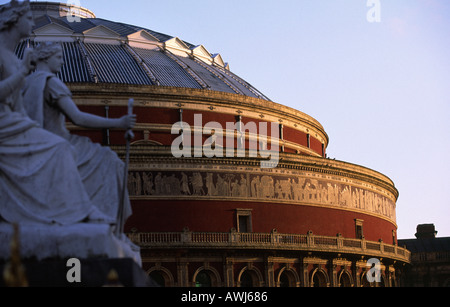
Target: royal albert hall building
[(240, 207)]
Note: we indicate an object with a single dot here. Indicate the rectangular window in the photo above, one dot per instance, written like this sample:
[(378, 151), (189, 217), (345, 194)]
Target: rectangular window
[(281, 136), (359, 234), (244, 220)]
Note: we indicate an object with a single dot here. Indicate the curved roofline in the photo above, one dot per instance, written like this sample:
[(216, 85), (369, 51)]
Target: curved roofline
[(62, 9), (194, 64), (97, 45)]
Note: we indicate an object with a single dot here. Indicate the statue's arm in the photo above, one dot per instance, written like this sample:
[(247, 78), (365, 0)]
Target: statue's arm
[(11, 84), (86, 120)]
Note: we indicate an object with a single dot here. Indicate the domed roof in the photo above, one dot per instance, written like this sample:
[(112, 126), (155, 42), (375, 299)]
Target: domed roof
[(103, 51)]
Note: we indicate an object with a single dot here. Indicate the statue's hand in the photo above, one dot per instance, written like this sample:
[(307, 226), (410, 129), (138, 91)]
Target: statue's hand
[(128, 122), (29, 61)]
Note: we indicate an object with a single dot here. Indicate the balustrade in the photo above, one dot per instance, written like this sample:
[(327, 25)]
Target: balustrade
[(272, 240)]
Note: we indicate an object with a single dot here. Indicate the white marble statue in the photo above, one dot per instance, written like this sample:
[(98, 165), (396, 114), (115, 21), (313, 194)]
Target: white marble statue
[(34, 164), (48, 101), (41, 187)]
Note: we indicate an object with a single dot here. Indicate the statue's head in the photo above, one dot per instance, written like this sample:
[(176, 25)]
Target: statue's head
[(46, 50), (11, 13), (49, 55)]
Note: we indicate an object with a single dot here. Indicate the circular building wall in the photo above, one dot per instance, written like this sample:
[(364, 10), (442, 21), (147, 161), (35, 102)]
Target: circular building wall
[(224, 183)]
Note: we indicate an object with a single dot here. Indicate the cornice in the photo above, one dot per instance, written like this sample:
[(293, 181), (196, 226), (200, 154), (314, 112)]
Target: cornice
[(150, 96), (148, 154)]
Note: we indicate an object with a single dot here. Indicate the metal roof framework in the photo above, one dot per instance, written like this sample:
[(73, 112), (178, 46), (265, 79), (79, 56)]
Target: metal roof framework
[(99, 51)]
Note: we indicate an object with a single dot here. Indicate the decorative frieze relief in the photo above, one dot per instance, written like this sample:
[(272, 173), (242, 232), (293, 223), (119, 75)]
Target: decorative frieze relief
[(293, 187)]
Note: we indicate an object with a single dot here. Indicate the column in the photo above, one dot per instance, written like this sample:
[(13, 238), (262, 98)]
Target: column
[(270, 279), (228, 272), (333, 273), (182, 273)]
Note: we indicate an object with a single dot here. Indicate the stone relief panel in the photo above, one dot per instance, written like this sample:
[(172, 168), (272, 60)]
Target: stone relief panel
[(259, 187)]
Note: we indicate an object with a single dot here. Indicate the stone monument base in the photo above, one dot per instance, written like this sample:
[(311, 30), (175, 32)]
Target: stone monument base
[(82, 241), (44, 251), (93, 273)]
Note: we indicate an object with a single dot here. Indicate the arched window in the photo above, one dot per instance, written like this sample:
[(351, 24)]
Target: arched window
[(206, 276), (345, 280), (247, 280), (203, 280), (364, 281), (161, 276), (288, 278), (158, 278), (250, 276), (285, 281), (319, 279)]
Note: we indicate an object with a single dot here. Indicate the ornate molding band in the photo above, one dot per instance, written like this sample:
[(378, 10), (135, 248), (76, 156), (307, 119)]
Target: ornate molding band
[(152, 157), (300, 188)]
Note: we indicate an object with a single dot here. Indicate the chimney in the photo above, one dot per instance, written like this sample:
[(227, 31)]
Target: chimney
[(426, 231)]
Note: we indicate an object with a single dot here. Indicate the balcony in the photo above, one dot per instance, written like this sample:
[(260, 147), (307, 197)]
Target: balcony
[(270, 241)]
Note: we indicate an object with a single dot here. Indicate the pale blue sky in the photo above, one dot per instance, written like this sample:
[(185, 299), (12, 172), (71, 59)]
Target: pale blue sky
[(381, 90)]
